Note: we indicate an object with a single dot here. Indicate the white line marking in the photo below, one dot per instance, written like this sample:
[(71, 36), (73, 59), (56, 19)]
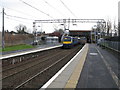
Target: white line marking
[(40, 72), (114, 76), (60, 71), (94, 54)]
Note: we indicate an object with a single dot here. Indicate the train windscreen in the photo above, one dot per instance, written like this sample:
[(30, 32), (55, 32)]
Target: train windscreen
[(67, 39)]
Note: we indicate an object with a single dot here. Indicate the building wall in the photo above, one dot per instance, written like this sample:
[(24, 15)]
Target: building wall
[(79, 33)]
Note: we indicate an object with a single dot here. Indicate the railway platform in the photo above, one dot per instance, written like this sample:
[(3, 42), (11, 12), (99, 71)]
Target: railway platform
[(91, 67), (28, 51)]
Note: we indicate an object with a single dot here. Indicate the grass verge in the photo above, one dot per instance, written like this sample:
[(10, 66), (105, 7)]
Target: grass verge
[(16, 47)]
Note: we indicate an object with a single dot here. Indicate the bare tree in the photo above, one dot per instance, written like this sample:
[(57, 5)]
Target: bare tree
[(119, 29), (115, 28), (61, 31), (21, 29), (109, 26)]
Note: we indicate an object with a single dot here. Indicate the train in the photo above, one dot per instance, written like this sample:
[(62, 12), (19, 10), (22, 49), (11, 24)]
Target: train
[(83, 40), (52, 39), (69, 41)]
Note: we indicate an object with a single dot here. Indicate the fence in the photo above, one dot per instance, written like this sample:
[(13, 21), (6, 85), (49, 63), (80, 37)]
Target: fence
[(17, 39), (114, 45)]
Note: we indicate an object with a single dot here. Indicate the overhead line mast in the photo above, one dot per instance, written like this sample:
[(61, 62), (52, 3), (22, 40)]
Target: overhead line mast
[(71, 21), (3, 42)]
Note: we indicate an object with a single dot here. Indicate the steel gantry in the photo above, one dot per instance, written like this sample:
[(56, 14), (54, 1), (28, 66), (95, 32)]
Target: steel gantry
[(64, 21), (71, 21), (101, 22)]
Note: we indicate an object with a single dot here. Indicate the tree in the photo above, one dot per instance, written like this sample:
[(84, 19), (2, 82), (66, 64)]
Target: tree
[(115, 29), (6, 31), (60, 31), (21, 29), (119, 29), (100, 29), (109, 26), (12, 32)]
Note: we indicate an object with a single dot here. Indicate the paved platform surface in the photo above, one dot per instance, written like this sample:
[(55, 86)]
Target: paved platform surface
[(68, 76), (100, 69), (92, 67)]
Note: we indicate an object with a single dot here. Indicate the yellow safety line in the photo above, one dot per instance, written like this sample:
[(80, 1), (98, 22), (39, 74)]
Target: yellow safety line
[(72, 82)]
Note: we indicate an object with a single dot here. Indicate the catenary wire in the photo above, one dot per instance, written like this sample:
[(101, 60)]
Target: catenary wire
[(67, 8), (35, 8), (20, 12), (54, 8), (17, 20), (18, 17)]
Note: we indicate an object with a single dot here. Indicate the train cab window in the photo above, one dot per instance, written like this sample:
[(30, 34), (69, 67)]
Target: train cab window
[(67, 39)]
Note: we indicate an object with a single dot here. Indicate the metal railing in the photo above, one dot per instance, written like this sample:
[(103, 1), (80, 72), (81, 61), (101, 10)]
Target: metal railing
[(114, 45)]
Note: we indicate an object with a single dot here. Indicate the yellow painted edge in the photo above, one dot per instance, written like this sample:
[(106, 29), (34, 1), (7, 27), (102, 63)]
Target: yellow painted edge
[(72, 82)]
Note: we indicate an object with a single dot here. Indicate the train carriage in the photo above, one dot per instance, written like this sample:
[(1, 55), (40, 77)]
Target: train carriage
[(67, 42), (50, 40), (75, 40)]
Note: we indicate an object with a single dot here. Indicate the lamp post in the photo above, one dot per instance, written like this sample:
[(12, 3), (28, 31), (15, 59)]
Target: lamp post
[(34, 32), (95, 32)]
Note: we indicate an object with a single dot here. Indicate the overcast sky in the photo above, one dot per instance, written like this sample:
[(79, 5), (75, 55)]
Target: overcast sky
[(81, 9)]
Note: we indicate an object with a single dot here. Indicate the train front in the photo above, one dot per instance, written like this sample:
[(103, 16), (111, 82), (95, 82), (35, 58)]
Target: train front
[(67, 42)]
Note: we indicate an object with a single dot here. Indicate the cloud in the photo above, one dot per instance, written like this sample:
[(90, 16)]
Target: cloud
[(83, 9)]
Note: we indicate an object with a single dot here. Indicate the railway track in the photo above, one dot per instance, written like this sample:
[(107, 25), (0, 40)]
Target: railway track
[(9, 71), (35, 73), (13, 61)]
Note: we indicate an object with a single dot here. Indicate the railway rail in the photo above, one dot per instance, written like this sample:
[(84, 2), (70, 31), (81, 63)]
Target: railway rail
[(35, 72), (26, 64)]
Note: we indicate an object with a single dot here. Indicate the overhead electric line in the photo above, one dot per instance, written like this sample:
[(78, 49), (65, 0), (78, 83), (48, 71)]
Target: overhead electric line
[(53, 7), (18, 17), (67, 8), (17, 20), (20, 12), (36, 8)]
